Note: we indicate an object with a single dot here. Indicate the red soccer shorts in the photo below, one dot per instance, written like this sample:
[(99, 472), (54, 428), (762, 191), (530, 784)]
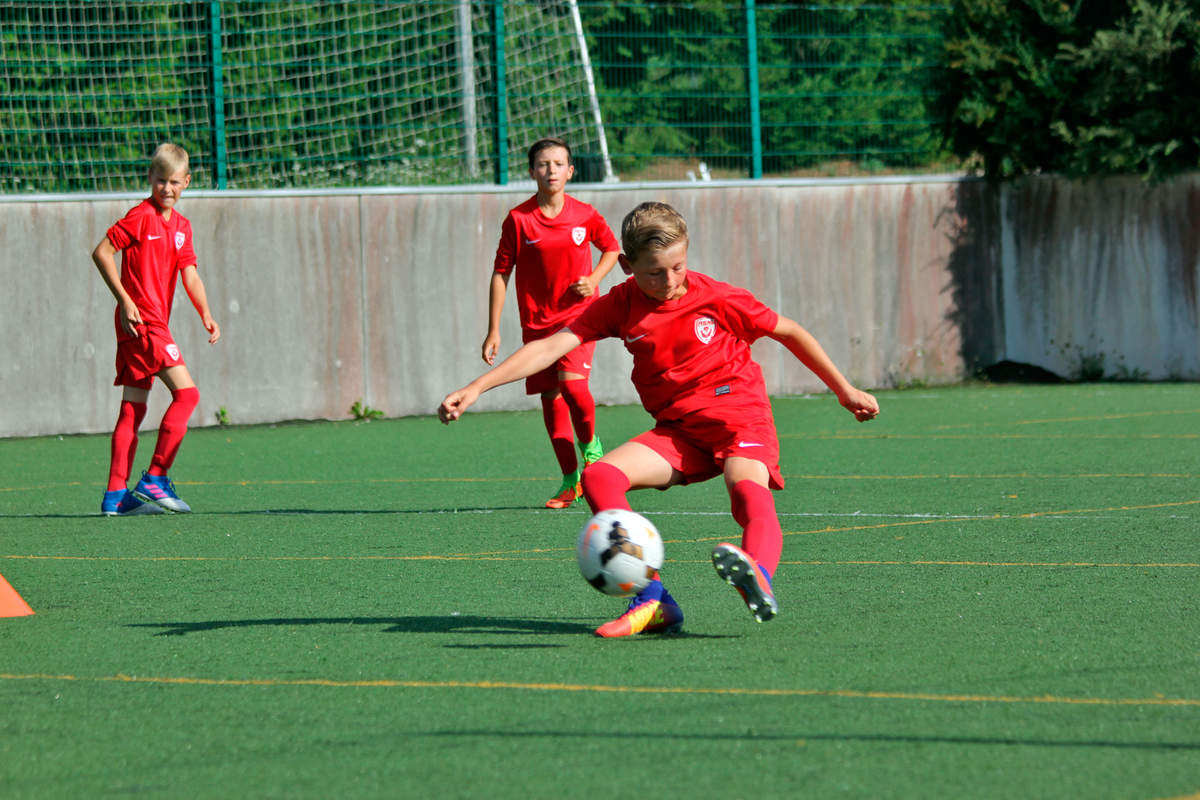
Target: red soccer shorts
[(140, 359), (698, 446), (578, 361)]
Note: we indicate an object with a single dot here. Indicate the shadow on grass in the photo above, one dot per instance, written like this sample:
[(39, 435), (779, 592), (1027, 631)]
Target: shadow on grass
[(989, 741), (442, 624)]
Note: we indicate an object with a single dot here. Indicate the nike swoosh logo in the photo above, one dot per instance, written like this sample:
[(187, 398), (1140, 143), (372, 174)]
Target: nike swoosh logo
[(631, 339), (533, 241), (153, 237), (749, 444), (587, 365)]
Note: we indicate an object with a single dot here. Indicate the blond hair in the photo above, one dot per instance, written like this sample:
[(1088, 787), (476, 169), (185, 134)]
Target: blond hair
[(651, 226), (168, 159)]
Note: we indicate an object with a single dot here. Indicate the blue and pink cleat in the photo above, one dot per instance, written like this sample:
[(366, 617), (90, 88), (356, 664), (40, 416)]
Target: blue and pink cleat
[(159, 490), (123, 503)]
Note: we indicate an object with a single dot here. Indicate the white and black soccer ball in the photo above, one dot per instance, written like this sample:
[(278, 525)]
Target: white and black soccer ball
[(619, 551)]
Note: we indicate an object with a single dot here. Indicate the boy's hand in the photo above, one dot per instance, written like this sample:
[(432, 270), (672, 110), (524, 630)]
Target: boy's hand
[(456, 403), (491, 346), (131, 318), (214, 330), (863, 406), (584, 287)]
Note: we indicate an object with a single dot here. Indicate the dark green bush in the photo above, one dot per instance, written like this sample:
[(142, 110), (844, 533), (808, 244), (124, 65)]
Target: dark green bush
[(1083, 88)]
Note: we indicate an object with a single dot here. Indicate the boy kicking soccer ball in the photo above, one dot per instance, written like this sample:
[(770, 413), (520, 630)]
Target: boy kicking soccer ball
[(156, 245), (690, 338)]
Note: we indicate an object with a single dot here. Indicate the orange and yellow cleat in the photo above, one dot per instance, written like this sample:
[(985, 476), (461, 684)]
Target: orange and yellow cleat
[(652, 616)]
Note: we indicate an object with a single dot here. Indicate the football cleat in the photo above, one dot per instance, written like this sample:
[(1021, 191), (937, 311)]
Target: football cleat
[(650, 616), (122, 503), (592, 451), (570, 491), (159, 490), (739, 569)]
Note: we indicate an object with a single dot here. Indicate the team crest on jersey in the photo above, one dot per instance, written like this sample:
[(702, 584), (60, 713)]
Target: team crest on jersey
[(178, 239), (578, 235), (173, 351), (706, 329)]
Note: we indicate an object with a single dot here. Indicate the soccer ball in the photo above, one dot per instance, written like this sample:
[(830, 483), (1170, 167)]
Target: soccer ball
[(619, 552)]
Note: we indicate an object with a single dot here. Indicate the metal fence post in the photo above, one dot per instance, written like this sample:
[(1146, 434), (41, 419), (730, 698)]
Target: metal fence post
[(218, 93), (501, 96), (756, 155)]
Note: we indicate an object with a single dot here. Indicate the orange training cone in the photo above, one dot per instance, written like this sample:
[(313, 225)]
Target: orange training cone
[(11, 604)]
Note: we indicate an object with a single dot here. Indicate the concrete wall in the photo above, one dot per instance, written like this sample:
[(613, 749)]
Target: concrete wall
[(327, 298), (1102, 276)]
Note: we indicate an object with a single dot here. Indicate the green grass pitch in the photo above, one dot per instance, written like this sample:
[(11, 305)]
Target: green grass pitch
[(990, 591)]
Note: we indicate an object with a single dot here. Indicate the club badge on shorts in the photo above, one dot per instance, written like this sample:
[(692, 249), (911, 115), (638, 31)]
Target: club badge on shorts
[(173, 351), (578, 235), (706, 329)]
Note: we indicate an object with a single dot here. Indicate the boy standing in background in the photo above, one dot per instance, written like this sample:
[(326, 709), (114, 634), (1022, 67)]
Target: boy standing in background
[(546, 241), (155, 241)]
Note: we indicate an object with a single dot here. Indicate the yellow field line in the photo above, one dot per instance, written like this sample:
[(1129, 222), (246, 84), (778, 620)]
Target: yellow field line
[(998, 476), (874, 435), (1109, 417), (877, 436), (386, 683), (924, 563)]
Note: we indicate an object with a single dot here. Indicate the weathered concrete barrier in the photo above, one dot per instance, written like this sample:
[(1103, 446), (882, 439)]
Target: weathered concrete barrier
[(325, 298)]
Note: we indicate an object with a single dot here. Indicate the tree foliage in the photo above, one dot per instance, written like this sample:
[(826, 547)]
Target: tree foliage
[(837, 82), (1081, 89)]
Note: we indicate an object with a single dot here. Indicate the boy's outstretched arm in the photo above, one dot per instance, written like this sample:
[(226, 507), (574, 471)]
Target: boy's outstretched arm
[(805, 347), (530, 358)]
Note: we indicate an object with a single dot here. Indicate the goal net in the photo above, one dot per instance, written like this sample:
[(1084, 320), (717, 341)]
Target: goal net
[(286, 93)]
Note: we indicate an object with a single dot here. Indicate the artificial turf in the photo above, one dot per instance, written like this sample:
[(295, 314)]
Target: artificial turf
[(990, 591)]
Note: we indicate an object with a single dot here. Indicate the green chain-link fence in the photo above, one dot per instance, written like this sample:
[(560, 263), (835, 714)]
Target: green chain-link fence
[(367, 92)]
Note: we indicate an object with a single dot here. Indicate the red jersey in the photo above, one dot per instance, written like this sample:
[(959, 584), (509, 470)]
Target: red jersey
[(548, 256), (153, 252), (688, 354)]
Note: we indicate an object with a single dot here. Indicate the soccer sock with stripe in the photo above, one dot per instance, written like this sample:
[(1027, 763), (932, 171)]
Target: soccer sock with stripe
[(753, 508), (172, 428), (124, 443)]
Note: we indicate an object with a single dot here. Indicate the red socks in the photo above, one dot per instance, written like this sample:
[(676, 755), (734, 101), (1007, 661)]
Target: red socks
[(124, 443), (172, 429), (573, 409), (557, 417), (753, 508), (583, 408), (604, 487)]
